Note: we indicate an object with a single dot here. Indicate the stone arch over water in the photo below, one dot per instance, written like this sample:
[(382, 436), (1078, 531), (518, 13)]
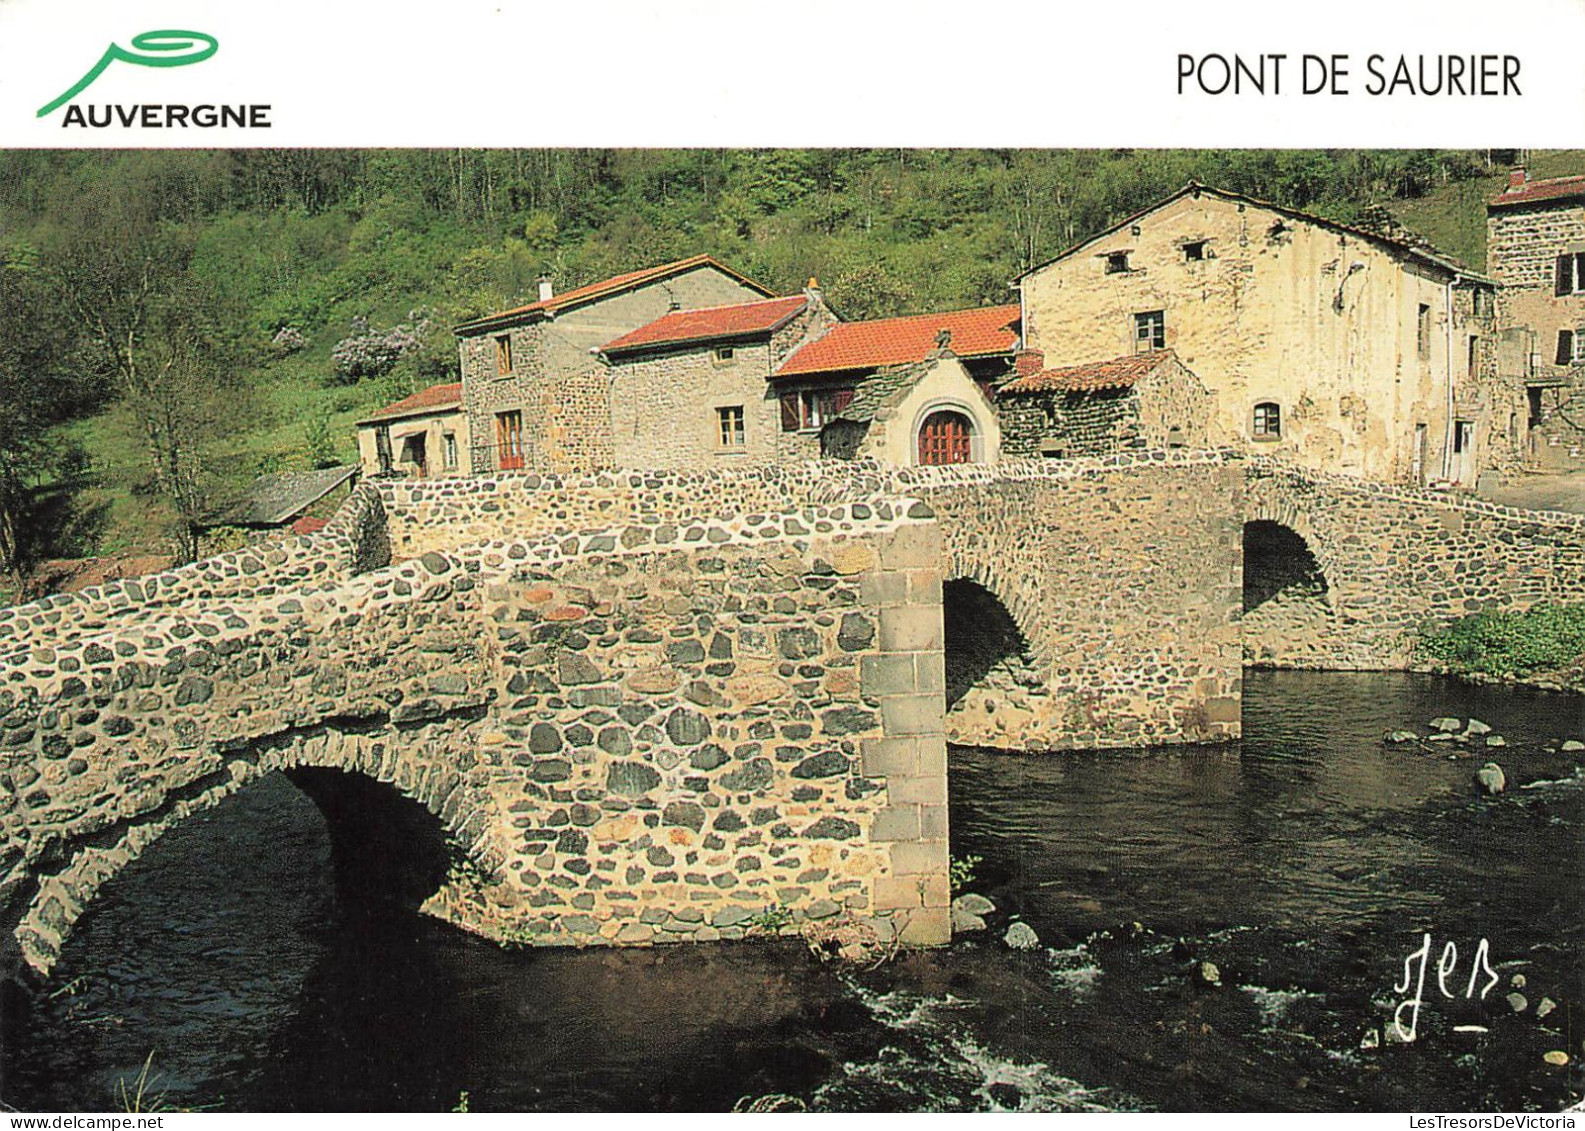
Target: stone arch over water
[(1279, 563), (379, 791)]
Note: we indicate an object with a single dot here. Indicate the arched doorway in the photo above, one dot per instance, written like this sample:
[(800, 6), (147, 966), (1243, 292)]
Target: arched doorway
[(946, 437)]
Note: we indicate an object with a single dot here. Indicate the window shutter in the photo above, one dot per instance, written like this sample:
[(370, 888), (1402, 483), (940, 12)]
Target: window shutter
[(789, 412), (1565, 273), (1565, 347), (840, 400)]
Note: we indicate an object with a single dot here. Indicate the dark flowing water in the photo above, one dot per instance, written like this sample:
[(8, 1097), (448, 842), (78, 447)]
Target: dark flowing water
[(1305, 863)]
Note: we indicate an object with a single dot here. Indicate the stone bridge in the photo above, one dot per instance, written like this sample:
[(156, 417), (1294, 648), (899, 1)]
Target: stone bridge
[(634, 708)]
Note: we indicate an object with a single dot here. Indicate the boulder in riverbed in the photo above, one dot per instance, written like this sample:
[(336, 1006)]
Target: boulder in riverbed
[(1445, 724), (1496, 740), (1477, 727), (973, 903), (1491, 779), (1400, 736), (1021, 936), (965, 922), (1573, 746)]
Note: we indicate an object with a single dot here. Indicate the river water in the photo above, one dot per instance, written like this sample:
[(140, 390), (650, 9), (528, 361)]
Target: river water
[(1306, 863)]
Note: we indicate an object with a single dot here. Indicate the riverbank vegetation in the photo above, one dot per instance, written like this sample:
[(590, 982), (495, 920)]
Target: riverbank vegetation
[(1545, 643), (179, 322)]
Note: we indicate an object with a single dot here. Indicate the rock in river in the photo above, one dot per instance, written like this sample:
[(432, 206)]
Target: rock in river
[(973, 904), (1491, 779), (1445, 724), (1021, 936)]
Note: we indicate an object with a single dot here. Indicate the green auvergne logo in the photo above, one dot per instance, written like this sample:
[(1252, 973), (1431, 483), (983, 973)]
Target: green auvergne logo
[(169, 48)]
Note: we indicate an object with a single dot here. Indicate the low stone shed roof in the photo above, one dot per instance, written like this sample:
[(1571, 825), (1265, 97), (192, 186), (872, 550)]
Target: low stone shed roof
[(709, 324), (1117, 373), (273, 499)]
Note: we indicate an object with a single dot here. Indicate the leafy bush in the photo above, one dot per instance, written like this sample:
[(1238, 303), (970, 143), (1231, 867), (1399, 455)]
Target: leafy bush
[(1544, 638), (320, 440), (962, 871), (288, 340)]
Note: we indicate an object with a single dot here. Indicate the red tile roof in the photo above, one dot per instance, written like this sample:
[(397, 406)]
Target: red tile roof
[(710, 323), (1557, 188), (981, 332), (436, 398), (592, 291), (1118, 373)]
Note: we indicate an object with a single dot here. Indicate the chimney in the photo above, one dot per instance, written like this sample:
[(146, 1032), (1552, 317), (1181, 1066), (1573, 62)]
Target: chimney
[(1518, 177), (943, 340), (1026, 362), (546, 291)]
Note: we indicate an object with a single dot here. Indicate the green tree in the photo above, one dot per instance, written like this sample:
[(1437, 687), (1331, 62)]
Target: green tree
[(40, 469)]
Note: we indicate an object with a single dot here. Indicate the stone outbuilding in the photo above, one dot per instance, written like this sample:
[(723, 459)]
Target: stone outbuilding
[(1140, 400), (1345, 349), (1535, 247), (424, 436), (535, 389), (931, 412)]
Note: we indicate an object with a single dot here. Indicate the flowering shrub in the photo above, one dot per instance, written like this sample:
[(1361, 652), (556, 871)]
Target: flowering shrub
[(289, 339), (368, 352)]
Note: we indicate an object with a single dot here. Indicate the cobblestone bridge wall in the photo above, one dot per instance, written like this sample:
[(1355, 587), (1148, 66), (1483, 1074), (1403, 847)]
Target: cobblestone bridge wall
[(645, 733), (1396, 559)]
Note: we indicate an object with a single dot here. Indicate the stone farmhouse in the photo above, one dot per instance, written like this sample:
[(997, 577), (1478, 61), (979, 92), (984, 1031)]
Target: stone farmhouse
[(1340, 348), (1535, 246)]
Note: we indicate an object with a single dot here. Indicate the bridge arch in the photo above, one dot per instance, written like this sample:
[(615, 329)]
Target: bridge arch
[(373, 781)]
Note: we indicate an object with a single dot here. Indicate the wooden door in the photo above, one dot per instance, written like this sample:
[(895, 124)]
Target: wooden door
[(946, 437)]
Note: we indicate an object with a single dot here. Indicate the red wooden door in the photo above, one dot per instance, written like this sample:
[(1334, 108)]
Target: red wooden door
[(945, 438)]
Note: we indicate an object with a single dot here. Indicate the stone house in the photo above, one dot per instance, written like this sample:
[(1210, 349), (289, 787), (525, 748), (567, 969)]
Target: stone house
[(1535, 247), (693, 388), (423, 436), (1341, 348), (820, 380), (930, 412), (535, 389), (1139, 400)]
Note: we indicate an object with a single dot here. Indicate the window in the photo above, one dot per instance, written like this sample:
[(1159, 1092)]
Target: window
[(1150, 331), (1473, 365), (1571, 347), (1481, 303), (1423, 331), (503, 355), (1116, 262), (1268, 421), (1571, 273), (723, 353), (509, 440), (729, 426), (450, 442), (812, 409), (1194, 251)]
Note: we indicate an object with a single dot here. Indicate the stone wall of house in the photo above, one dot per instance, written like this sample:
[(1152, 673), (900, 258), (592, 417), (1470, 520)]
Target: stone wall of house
[(1063, 424), (634, 735), (664, 407), (559, 385), (1396, 559)]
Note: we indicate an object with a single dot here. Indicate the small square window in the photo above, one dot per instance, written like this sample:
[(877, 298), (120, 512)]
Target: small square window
[(503, 355), (1268, 421), (1150, 331), (729, 426), (1117, 262), (1194, 251), (723, 353)]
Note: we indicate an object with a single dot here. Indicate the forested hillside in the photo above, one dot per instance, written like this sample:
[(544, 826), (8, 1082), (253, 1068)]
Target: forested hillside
[(175, 323)]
